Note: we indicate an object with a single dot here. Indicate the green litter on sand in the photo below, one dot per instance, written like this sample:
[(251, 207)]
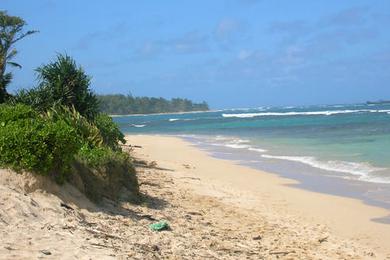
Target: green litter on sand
[(159, 226)]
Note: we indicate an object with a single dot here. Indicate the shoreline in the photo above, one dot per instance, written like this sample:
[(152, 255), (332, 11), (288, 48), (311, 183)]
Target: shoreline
[(308, 177), (262, 191)]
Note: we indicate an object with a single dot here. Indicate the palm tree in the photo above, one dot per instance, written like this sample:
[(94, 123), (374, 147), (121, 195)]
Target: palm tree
[(11, 31)]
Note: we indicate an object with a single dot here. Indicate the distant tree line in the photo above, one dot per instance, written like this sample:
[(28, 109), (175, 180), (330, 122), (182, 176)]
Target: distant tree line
[(122, 104)]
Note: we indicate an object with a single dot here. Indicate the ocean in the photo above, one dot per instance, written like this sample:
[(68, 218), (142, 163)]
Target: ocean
[(338, 149)]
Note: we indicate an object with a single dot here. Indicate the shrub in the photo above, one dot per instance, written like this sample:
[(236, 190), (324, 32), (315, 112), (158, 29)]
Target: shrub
[(29, 142), (62, 83), (101, 156), (110, 132), (86, 131), (63, 144), (40, 98), (106, 173), (12, 113)]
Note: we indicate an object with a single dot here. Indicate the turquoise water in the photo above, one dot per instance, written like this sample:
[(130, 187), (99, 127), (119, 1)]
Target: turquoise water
[(342, 141)]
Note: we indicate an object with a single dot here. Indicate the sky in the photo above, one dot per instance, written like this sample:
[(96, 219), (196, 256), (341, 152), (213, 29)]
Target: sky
[(232, 53)]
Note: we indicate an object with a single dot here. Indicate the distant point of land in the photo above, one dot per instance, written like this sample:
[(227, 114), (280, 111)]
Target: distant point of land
[(378, 102)]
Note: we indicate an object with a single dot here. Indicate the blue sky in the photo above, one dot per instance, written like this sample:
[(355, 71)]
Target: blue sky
[(232, 53)]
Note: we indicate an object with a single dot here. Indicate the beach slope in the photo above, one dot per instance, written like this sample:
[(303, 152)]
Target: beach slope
[(297, 215), (215, 210)]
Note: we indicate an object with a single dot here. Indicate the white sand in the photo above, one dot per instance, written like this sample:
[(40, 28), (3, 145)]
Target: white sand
[(216, 210)]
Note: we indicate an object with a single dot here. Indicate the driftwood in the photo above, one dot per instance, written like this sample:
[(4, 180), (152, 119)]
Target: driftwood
[(131, 146), (324, 239), (100, 233), (281, 252), (101, 245), (66, 206), (191, 178), (147, 216), (46, 252), (257, 237)]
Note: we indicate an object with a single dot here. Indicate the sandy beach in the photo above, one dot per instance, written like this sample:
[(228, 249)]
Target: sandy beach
[(215, 209), (269, 195)]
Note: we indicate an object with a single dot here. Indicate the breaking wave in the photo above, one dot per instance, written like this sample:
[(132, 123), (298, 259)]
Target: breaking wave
[(308, 113), (138, 126), (362, 170)]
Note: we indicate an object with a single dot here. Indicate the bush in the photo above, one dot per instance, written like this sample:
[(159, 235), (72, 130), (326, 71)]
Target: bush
[(38, 98), (62, 83), (29, 142), (86, 131), (101, 156), (63, 144), (12, 113), (110, 132), (106, 173)]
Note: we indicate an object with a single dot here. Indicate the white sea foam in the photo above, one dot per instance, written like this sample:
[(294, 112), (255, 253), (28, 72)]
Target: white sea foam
[(236, 143), (362, 170), (326, 113), (351, 170), (222, 138), (237, 146), (180, 119), (186, 135), (232, 142), (134, 125), (259, 150), (240, 141)]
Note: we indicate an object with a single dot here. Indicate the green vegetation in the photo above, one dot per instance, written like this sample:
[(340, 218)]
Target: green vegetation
[(109, 131), (31, 142), (56, 128), (86, 130), (105, 173), (65, 146), (123, 105), (11, 31), (61, 83)]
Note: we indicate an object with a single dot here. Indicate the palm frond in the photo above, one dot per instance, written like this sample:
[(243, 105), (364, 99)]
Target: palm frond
[(24, 35), (14, 64)]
